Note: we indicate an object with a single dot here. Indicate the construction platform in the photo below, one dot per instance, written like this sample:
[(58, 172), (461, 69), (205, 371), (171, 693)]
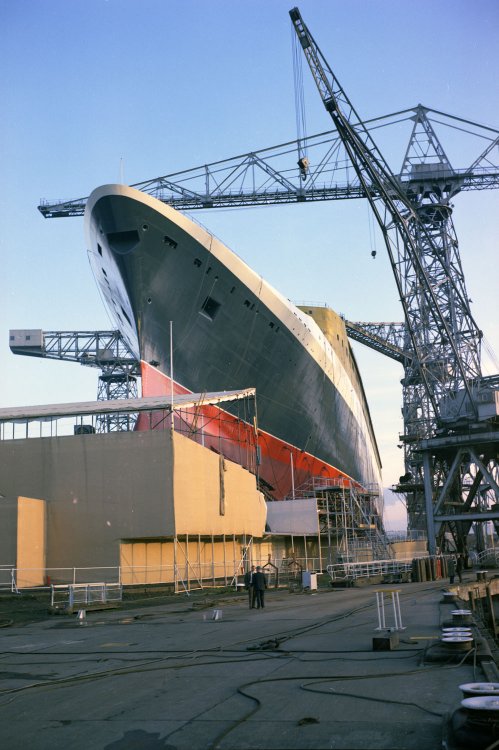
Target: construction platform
[(205, 671)]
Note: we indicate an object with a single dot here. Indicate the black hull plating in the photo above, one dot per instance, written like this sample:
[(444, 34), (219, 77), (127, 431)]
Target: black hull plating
[(230, 329)]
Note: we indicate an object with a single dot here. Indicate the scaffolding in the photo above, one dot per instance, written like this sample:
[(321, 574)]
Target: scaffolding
[(350, 520)]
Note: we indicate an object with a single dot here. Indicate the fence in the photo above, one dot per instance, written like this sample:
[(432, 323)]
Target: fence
[(487, 557), (81, 594), (351, 571), (182, 577), (12, 578), (280, 572), (418, 568)]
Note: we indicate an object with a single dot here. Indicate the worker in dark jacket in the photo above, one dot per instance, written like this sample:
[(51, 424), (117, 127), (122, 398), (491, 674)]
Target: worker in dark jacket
[(451, 568), (259, 585), (248, 585)]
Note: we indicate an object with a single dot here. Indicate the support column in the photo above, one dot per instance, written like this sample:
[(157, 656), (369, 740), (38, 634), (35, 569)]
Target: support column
[(428, 493)]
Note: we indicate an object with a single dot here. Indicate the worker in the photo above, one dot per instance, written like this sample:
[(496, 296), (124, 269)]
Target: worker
[(259, 585), (451, 568), (248, 585), (460, 567)]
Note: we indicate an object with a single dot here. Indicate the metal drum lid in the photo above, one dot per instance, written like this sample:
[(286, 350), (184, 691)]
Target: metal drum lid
[(471, 689), (488, 703), (457, 642), (461, 612), (456, 631), (456, 638)]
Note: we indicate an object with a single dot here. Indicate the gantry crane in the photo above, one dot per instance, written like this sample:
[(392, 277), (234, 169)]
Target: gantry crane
[(106, 350), (454, 438), (444, 396), (271, 176)]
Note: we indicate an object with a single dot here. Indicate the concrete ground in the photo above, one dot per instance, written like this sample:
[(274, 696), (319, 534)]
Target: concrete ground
[(302, 673)]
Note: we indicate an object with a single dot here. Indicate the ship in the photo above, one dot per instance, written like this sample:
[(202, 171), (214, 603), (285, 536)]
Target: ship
[(200, 319)]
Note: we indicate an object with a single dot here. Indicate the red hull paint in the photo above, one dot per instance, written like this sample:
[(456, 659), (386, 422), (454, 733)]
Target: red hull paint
[(235, 439)]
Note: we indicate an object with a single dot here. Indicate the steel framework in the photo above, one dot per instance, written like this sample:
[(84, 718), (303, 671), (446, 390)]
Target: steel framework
[(273, 176), (106, 350), (443, 385)]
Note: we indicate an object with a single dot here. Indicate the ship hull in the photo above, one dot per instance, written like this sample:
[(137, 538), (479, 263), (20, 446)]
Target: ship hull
[(160, 272)]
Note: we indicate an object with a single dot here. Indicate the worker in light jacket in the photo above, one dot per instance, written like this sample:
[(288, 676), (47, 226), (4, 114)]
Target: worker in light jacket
[(259, 585)]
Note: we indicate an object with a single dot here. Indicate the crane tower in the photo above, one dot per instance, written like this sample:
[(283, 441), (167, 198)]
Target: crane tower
[(453, 439)]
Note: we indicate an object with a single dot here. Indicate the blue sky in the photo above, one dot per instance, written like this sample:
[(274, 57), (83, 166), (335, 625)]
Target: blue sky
[(89, 87)]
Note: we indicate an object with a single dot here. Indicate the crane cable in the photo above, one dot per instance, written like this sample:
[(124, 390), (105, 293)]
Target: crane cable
[(301, 122)]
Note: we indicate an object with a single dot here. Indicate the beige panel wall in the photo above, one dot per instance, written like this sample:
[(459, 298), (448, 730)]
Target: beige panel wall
[(147, 562), (198, 560), (154, 562), (197, 495), (99, 489), (408, 550), (104, 489), (31, 542), (260, 551)]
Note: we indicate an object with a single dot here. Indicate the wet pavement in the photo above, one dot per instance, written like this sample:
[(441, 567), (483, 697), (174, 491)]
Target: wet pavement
[(302, 673)]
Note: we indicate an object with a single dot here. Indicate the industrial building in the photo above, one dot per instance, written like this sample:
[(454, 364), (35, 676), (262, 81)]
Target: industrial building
[(158, 506)]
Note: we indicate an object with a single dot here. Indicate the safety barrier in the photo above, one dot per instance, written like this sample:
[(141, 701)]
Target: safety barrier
[(488, 557), (393, 594), (79, 595), (186, 576), (393, 571), (350, 571), (12, 578)]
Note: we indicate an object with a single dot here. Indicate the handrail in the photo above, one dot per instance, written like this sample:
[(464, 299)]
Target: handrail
[(486, 555)]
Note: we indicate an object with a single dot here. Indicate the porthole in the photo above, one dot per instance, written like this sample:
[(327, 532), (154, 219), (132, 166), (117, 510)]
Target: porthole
[(145, 227), (149, 300)]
